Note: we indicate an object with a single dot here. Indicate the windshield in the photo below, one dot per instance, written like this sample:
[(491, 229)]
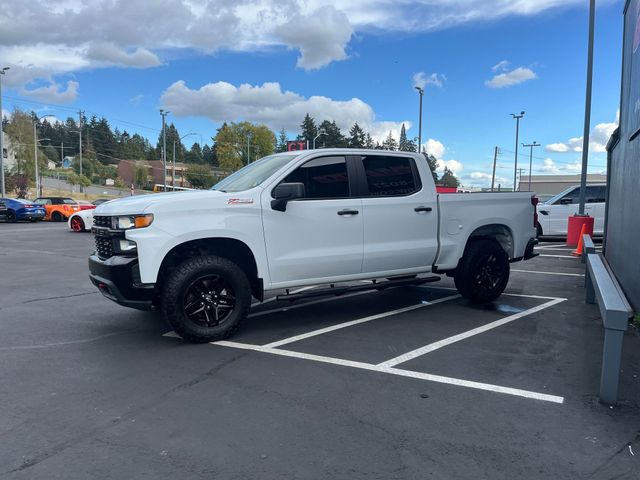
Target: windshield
[(253, 174), (553, 200)]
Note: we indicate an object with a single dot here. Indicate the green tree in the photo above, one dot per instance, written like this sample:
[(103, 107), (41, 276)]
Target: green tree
[(333, 137), (141, 174), (237, 144), (433, 164), (357, 137), (200, 176), (309, 129), (390, 143), (282, 141), (448, 179), (209, 155), (81, 180), (403, 144), (194, 155), (172, 136), (20, 131), (368, 142)]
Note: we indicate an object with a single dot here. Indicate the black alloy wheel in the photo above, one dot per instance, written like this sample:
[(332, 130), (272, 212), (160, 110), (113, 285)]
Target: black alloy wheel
[(209, 301)]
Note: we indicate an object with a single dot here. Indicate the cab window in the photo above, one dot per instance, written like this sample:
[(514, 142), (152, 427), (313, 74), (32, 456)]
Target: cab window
[(324, 177), (596, 194), (389, 176)]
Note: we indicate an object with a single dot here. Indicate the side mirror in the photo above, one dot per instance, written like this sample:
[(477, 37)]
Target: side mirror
[(566, 201), (284, 193)]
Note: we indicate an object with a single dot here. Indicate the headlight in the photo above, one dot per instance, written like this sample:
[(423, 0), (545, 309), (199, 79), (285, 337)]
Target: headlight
[(128, 222)]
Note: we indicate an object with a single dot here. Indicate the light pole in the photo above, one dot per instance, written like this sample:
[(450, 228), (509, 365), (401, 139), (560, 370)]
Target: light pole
[(421, 92), (515, 167), (173, 171), (36, 121), (531, 145), (248, 148), (320, 133), (163, 114), (80, 117), (587, 110), (2, 188)]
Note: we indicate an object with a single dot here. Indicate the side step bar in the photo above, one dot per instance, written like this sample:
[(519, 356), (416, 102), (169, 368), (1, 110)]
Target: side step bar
[(341, 290)]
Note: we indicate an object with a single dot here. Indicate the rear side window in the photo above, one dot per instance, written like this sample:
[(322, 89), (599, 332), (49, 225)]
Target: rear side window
[(324, 177), (68, 201), (570, 198), (390, 176), (42, 201)]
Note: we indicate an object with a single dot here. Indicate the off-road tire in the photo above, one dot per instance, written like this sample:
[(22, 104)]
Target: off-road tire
[(175, 290), (483, 272)]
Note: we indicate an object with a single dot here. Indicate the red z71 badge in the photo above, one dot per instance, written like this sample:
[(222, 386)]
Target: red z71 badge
[(236, 201)]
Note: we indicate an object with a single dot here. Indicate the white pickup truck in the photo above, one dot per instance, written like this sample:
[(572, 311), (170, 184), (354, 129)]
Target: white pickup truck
[(314, 217)]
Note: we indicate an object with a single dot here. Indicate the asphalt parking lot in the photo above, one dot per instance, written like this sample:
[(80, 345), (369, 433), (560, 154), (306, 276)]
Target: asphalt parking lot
[(407, 383)]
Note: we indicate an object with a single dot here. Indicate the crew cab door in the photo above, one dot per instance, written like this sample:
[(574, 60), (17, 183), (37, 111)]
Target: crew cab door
[(400, 215), (319, 236)]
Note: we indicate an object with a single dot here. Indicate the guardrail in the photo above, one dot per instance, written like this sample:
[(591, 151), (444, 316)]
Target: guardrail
[(603, 288)]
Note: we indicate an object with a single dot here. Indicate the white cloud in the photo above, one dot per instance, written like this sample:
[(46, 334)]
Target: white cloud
[(454, 165), (136, 99), (321, 37), (268, 104), (46, 39), (483, 179), (422, 79), (108, 54), (438, 150), (501, 66), (598, 140), (54, 93), (513, 77), (434, 147), (548, 165)]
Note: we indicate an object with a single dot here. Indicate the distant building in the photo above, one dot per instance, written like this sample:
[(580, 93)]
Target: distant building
[(8, 152), (155, 174), (546, 186), (295, 145)]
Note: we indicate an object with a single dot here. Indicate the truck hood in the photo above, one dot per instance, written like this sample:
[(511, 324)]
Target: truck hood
[(143, 203)]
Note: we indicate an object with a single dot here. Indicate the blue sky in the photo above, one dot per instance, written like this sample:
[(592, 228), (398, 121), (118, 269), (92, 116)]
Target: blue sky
[(346, 61)]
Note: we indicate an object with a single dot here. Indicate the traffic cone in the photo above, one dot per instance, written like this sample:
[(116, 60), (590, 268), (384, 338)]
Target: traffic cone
[(578, 251)]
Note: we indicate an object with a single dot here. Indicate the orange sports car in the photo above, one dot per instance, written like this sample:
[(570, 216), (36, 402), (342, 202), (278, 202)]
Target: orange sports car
[(58, 209)]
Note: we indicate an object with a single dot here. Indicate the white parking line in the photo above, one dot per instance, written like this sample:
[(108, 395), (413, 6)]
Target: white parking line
[(549, 273), (396, 371), (468, 334), (358, 321)]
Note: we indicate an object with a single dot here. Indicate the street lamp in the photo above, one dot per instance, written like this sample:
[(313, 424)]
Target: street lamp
[(421, 92), (531, 145), (321, 132), (2, 188), (515, 168), (36, 122), (173, 172)]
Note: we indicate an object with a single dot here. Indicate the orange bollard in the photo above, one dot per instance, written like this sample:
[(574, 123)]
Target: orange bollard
[(578, 251)]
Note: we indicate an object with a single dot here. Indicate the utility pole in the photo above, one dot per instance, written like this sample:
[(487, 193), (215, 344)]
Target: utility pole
[(495, 159), (80, 116), (164, 148), (248, 147), (587, 110), (2, 187), (515, 167), (61, 152), (520, 170), (531, 145), (421, 92), (35, 153), (173, 172)]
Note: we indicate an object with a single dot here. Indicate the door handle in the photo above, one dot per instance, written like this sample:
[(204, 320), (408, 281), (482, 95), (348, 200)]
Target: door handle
[(346, 211), (422, 209)]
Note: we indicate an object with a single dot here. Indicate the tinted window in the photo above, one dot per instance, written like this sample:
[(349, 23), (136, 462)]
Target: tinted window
[(42, 201), (389, 176), (596, 194), (324, 177), (68, 201), (571, 197)]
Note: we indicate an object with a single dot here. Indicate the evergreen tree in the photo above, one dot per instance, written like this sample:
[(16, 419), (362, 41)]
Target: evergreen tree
[(403, 144), (333, 137), (309, 129), (449, 179), (433, 165), (209, 155), (282, 141), (357, 137), (172, 136), (390, 143), (368, 142), (194, 155)]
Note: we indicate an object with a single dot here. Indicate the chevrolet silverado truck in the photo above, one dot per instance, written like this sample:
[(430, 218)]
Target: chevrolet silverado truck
[(331, 218)]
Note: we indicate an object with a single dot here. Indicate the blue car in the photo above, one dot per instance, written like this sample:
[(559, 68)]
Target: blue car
[(19, 209)]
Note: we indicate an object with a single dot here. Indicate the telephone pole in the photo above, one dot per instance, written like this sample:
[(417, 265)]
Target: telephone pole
[(164, 147), (495, 159), (515, 167), (520, 170), (531, 145), (80, 116), (2, 187)]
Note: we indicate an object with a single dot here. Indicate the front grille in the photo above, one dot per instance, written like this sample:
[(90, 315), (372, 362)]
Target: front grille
[(101, 221), (104, 247)]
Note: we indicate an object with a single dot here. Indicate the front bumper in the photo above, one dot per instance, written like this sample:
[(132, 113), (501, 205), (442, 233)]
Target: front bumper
[(118, 279)]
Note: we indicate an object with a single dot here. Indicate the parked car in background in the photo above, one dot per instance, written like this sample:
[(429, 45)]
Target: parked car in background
[(553, 214), (84, 205), (3, 211), (81, 221), (20, 209), (58, 209)]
